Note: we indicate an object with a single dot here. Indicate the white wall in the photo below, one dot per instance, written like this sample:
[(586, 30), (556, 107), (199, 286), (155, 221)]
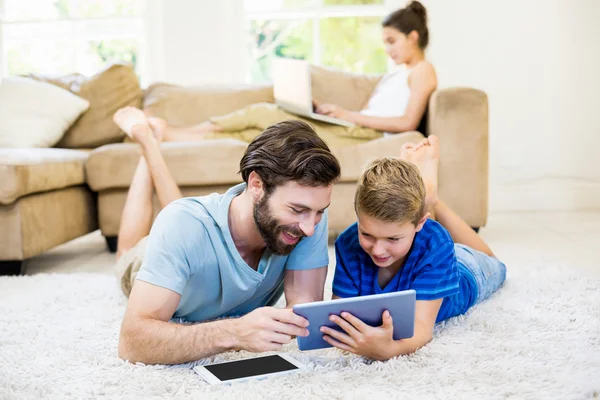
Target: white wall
[(1, 50), (196, 42), (539, 63)]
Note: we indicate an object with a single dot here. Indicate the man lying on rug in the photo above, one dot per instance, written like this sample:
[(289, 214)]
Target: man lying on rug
[(394, 246), (222, 256)]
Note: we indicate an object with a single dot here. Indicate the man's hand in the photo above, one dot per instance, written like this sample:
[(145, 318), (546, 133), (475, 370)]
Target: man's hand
[(268, 328), (373, 342), (334, 111)]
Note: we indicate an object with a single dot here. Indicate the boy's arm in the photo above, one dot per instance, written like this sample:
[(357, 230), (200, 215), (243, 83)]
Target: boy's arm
[(426, 312), (378, 342)]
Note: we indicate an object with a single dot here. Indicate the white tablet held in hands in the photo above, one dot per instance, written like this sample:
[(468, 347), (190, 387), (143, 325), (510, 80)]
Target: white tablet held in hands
[(368, 309), (249, 368)]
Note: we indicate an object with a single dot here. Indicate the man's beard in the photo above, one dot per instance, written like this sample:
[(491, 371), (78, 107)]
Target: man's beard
[(271, 230)]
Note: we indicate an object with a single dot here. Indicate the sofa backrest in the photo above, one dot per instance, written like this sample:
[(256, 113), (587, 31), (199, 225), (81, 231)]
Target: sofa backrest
[(191, 105), (349, 90), (183, 106)]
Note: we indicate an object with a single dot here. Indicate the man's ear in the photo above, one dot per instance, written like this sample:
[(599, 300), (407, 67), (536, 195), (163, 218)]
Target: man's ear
[(256, 186), (422, 222)]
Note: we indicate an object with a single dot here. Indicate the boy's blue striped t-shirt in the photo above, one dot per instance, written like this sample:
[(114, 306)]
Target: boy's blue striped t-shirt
[(430, 268)]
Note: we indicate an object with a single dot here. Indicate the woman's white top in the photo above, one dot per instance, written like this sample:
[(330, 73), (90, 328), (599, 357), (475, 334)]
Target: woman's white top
[(391, 95)]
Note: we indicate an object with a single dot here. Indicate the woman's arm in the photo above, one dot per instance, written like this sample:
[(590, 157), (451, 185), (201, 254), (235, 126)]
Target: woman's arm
[(422, 83)]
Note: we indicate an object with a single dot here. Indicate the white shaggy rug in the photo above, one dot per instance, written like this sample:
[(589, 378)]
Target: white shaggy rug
[(537, 338)]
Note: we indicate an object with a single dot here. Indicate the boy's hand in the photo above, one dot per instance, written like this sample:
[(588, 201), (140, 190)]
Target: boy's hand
[(373, 342)]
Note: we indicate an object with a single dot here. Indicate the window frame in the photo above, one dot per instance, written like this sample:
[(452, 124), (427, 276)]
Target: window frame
[(317, 11), (130, 27)]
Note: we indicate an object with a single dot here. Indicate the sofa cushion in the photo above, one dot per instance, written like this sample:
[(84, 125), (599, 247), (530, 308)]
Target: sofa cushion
[(184, 106), (209, 162), (354, 159), (216, 162), (36, 114), (26, 171), (351, 91), (115, 87)]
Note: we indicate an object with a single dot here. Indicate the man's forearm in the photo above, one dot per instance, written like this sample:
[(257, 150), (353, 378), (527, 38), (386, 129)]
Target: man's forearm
[(156, 342), (292, 299), (304, 286)]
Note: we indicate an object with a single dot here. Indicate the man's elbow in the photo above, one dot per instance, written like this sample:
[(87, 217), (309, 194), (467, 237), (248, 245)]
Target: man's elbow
[(128, 349)]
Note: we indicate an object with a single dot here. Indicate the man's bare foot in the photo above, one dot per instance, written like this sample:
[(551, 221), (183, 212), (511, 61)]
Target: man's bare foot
[(426, 156), (159, 128), (134, 123)]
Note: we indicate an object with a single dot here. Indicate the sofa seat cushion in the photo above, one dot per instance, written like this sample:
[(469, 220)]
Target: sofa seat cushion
[(35, 170), (216, 162), (354, 159), (208, 162)]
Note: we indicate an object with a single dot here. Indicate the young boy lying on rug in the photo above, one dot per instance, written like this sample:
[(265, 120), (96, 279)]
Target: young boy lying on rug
[(395, 246)]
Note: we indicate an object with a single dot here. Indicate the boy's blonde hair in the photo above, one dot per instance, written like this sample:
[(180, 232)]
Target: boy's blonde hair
[(391, 190)]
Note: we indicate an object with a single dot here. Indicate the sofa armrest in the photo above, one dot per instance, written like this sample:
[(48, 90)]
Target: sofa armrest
[(459, 117)]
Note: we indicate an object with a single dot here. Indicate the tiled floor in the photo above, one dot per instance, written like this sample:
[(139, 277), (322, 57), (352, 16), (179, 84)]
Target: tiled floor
[(519, 239)]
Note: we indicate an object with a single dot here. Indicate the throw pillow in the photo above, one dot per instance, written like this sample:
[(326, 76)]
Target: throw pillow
[(36, 114), (113, 88)]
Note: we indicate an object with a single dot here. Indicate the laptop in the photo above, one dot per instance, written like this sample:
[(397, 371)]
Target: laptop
[(292, 90)]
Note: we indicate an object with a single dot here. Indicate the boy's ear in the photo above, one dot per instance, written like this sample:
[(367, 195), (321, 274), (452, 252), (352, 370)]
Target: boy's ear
[(422, 222)]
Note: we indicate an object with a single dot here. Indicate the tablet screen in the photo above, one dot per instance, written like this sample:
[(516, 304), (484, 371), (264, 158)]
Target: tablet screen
[(250, 367)]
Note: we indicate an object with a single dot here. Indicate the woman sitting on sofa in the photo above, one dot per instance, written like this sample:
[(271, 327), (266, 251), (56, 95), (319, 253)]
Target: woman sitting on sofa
[(397, 104)]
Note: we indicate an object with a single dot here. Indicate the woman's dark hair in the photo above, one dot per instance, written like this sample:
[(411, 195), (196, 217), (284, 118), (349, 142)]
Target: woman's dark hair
[(411, 18), (290, 151)]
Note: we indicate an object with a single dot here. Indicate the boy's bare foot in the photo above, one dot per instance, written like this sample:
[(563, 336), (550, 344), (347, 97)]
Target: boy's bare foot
[(426, 156), (134, 123), (406, 147), (159, 128)]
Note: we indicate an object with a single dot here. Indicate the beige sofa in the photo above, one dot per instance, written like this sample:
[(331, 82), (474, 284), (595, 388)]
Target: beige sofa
[(51, 195)]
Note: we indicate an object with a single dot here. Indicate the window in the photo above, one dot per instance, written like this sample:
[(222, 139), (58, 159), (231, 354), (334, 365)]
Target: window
[(65, 36), (344, 34)]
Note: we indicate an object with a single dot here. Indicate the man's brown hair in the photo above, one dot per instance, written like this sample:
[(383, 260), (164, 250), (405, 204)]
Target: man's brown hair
[(391, 190), (290, 151)]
